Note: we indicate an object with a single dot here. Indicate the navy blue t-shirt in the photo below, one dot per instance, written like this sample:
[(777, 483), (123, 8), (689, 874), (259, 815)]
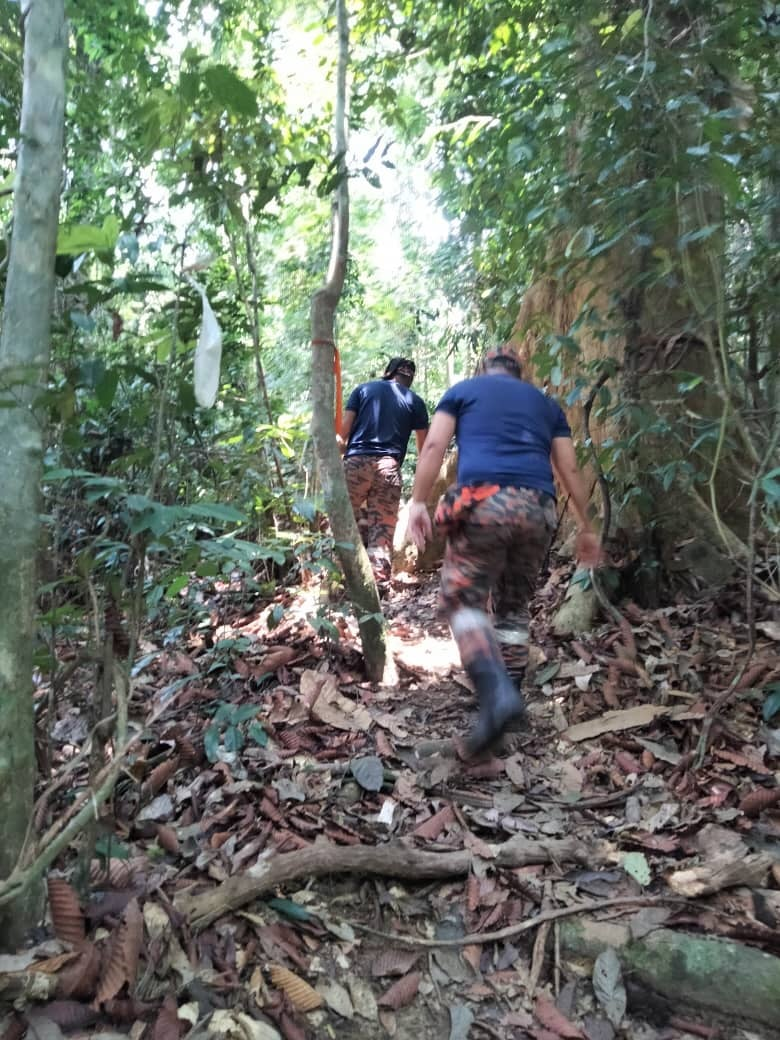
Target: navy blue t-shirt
[(504, 429), (385, 415)]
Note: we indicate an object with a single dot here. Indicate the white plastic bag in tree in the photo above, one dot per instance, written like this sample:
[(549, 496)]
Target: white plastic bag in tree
[(208, 354)]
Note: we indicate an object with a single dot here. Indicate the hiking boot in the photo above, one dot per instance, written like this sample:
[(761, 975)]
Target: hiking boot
[(501, 705)]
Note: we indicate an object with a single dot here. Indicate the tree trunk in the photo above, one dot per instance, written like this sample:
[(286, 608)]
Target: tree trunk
[(353, 558), (24, 355)]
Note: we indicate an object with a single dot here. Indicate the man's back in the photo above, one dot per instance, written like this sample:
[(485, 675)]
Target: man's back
[(504, 429), (385, 415)]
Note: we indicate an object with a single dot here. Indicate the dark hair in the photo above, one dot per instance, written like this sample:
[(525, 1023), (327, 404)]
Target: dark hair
[(400, 364)]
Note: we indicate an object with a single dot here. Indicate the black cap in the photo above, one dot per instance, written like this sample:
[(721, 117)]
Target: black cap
[(400, 364)]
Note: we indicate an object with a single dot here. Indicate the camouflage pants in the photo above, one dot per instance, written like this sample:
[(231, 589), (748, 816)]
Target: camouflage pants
[(376, 481), (497, 548)]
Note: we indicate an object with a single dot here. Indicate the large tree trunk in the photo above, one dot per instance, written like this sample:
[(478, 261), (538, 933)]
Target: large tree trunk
[(646, 322), (355, 564), (24, 355)]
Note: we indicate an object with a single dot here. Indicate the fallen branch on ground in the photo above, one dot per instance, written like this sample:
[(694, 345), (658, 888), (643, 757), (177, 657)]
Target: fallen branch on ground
[(391, 860)]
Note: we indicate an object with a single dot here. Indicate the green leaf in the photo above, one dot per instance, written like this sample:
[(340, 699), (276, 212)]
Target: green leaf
[(771, 705), (176, 586), (80, 238), (211, 743), (215, 511), (770, 485), (636, 866), (258, 734), (631, 22), (288, 908), (230, 91), (548, 672)]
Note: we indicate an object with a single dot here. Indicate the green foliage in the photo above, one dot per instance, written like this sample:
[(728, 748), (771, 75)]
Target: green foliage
[(224, 738)]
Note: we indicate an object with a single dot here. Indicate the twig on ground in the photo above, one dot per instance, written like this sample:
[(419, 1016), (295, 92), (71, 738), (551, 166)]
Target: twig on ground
[(475, 938)]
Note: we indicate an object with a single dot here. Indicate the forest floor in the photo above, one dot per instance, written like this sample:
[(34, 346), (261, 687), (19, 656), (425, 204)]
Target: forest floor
[(271, 759)]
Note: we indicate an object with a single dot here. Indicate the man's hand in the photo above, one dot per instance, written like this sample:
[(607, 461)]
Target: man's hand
[(588, 549), (419, 527)]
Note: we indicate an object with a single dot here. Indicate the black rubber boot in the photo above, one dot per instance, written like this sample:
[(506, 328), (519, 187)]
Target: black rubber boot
[(501, 705)]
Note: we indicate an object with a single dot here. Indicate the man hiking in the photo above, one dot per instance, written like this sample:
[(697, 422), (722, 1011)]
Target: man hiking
[(378, 421), (499, 520)]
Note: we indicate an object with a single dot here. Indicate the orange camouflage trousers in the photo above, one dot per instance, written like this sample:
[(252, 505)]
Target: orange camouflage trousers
[(374, 486), (496, 548)]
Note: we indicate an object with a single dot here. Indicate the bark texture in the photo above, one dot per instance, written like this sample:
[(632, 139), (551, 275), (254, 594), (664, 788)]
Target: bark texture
[(24, 355), (353, 558), (391, 860), (683, 972)]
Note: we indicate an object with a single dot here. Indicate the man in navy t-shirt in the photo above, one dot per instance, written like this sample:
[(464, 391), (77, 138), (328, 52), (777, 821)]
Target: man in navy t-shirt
[(378, 422), (500, 518)]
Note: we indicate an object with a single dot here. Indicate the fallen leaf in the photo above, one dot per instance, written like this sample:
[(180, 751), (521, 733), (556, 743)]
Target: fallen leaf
[(66, 913), (302, 996), (636, 866), (401, 993), (336, 997), (431, 828), (615, 721), (363, 999), (771, 629), (461, 1019), (394, 962), (281, 655), (548, 1015), (608, 985), (369, 772), (233, 1025), (335, 710), (121, 964)]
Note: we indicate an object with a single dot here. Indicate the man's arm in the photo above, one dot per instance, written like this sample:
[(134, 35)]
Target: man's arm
[(428, 466), (420, 436), (564, 461), (346, 428)]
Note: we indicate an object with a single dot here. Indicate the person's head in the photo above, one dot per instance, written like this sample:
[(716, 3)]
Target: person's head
[(400, 369), (503, 359)]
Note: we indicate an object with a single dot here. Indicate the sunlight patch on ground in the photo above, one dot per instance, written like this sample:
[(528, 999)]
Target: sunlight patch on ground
[(430, 653)]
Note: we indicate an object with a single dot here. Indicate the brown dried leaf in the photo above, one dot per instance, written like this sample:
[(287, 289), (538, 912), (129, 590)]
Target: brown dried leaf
[(383, 746), (160, 776), (121, 964), (472, 892), (290, 1028), (757, 801), (166, 838), (478, 847), (188, 755), (278, 657), (551, 1018), (434, 825), (302, 996), (71, 1014), (80, 977), (115, 873), (402, 992), (394, 962), (168, 1025), (127, 1011), (66, 915), (178, 662)]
